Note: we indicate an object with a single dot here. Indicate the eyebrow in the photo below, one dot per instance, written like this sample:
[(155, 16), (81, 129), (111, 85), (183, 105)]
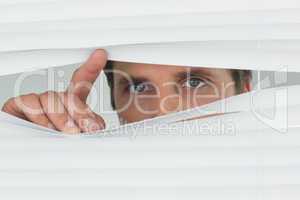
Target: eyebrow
[(193, 72), (125, 81), (179, 75)]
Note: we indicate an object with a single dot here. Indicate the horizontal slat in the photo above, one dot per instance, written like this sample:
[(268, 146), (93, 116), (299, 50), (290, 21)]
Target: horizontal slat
[(267, 17), (254, 55), (31, 10), (186, 177), (290, 192)]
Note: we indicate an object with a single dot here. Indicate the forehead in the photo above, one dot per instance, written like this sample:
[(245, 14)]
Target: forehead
[(133, 68), (142, 69)]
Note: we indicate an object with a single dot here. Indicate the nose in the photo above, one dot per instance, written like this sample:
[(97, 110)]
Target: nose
[(169, 102)]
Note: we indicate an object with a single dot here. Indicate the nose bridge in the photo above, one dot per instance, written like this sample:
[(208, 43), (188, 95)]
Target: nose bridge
[(169, 100)]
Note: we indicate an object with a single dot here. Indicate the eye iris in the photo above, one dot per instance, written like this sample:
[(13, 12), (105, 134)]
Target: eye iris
[(194, 82), (137, 88), (140, 88)]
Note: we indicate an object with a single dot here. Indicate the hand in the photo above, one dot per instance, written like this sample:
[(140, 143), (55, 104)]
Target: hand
[(64, 111)]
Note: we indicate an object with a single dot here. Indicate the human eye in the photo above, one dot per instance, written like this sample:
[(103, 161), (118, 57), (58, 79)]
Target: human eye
[(139, 87), (193, 83)]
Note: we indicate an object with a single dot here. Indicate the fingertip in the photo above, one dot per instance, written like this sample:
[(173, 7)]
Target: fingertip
[(90, 125), (71, 128), (95, 63), (99, 54), (51, 126), (95, 127), (100, 121)]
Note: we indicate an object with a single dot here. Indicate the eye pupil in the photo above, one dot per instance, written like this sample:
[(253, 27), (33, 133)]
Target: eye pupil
[(139, 88), (194, 82)]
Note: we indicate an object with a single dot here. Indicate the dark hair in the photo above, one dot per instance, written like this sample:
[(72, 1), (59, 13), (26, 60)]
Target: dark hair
[(110, 80), (240, 78)]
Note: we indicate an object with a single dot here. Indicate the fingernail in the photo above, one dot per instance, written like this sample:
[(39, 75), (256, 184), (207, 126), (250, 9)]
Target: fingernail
[(94, 127), (71, 128), (88, 125)]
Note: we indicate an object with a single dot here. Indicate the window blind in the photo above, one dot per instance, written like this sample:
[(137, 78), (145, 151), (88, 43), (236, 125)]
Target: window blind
[(260, 160)]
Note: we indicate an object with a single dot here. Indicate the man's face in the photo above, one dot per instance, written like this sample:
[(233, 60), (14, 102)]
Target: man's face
[(144, 91)]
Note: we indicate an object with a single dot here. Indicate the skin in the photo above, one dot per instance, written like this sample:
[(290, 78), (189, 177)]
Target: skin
[(156, 91), (141, 91)]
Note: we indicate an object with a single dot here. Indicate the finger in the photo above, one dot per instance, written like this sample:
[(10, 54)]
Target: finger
[(28, 107), (10, 107), (57, 114), (32, 109), (85, 76), (85, 118)]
